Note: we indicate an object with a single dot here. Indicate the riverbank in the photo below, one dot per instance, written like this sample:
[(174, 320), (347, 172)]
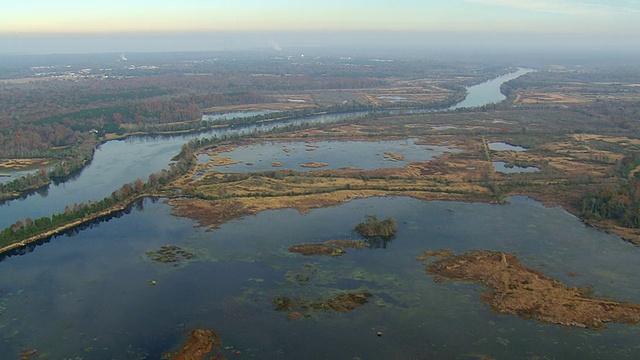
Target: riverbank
[(71, 225)]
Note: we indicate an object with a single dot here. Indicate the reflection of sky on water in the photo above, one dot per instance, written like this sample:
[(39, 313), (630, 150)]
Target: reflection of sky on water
[(501, 146), (499, 166), (99, 303), (365, 155)]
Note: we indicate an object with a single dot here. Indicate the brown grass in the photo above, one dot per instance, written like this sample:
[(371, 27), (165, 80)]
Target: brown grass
[(518, 290), (20, 164)]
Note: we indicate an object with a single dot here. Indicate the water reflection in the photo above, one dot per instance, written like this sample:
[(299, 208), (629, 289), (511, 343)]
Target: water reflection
[(99, 303)]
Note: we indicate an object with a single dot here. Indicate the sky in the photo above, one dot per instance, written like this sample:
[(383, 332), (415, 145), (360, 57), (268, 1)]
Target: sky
[(26, 24)]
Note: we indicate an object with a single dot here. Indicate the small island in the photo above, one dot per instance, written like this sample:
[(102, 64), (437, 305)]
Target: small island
[(341, 303), (518, 290)]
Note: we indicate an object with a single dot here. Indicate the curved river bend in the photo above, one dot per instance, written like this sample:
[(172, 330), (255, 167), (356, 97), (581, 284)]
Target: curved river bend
[(118, 162)]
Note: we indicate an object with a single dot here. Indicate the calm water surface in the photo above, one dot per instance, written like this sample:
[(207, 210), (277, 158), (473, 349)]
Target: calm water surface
[(366, 155), (88, 296), (499, 166), (488, 92)]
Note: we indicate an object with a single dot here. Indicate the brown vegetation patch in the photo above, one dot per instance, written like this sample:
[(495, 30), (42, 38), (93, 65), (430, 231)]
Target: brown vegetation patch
[(554, 98), (19, 164), (221, 161), (277, 106), (277, 164), (26, 354), (518, 290), (314, 164), (341, 303), (208, 213), (316, 249), (200, 344), (391, 156), (329, 247)]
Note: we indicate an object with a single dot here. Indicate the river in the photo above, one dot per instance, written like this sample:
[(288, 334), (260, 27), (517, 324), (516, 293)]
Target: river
[(121, 161)]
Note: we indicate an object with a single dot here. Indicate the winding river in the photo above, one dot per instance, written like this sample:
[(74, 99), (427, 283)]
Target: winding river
[(118, 162)]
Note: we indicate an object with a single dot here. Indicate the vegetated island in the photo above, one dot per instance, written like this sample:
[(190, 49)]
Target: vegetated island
[(201, 344), (518, 290), (329, 247), (341, 303), (373, 230)]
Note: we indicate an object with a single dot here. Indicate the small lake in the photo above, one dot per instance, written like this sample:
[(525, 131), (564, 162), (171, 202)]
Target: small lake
[(500, 166), (89, 295), (501, 146), (366, 155)]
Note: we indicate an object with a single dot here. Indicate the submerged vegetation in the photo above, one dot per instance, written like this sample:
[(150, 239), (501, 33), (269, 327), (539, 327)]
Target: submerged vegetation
[(341, 303), (169, 254)]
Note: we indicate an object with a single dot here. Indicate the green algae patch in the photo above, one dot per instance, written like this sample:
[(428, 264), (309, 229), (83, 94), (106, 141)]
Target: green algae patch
[(170, 254), (341, 303)]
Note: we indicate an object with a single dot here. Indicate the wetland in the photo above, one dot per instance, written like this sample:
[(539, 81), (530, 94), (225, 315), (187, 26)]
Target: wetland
[(259, 246)]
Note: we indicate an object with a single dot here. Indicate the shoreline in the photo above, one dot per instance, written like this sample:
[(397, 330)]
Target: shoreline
[(71, 225)]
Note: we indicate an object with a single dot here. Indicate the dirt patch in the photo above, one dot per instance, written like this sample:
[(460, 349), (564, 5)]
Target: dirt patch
[(518, 290)]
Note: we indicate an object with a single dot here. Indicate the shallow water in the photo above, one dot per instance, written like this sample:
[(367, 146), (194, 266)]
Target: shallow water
[(366, 155), (499, 166), (89, 295), (501, 146)]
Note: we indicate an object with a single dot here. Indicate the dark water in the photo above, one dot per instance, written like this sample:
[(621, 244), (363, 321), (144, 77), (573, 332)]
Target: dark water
[(88, 296)]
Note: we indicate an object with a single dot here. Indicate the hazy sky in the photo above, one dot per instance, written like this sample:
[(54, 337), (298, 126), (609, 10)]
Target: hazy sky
[(23, 20)]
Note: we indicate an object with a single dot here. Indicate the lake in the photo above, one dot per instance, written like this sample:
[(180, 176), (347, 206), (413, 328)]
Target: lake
[(366, 155), (89, 295)]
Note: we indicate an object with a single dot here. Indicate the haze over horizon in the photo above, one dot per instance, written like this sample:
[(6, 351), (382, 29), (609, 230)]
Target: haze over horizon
[(72, 26)]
